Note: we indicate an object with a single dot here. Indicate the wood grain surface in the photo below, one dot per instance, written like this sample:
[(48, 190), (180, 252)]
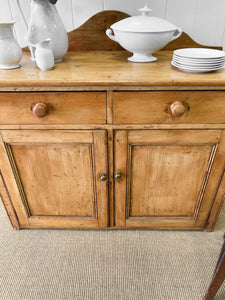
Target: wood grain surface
[(62, 108), (154, 107), (103, 70), (161, 175), (58, 180), (166, 178), (91, 35)]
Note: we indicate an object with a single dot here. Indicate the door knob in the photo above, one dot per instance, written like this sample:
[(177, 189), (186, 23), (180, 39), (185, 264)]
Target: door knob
[(103, 177), (118, 175)]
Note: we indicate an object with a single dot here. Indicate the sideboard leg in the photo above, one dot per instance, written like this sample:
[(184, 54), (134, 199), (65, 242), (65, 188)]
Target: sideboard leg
[(218, 277)]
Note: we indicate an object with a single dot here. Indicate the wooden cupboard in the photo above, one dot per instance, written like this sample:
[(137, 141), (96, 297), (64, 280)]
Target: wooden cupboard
[(100, 142), (127, 146)]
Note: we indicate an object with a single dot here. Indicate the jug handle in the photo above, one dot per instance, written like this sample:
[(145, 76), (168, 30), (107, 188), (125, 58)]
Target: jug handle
[(22, 14)]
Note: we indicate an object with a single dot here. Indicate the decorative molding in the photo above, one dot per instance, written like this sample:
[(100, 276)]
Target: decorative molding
[(7, 202), (24, 197), (174, 217), (17, 178)]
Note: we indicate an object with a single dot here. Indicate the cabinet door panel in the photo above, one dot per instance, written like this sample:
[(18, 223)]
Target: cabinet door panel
[(58, 182), (56, 179), (166, 177), (166, 180)]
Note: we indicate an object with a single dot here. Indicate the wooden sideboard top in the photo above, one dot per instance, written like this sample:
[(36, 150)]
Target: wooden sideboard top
[(94, 62), (107, 70)]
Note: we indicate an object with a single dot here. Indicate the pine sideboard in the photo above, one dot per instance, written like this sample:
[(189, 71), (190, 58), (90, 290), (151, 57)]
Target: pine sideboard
[(100, 142)]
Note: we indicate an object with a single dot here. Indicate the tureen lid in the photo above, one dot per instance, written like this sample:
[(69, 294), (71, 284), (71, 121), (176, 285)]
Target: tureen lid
[(144, 23)]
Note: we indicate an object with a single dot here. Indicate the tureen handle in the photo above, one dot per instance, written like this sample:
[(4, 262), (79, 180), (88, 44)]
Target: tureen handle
[(110, 34), (177, 34)]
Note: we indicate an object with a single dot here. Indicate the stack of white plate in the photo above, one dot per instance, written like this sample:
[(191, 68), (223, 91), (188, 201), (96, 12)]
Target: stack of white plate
[(198, 59)]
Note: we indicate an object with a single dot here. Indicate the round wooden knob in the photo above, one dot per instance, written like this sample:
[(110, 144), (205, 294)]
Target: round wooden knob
[(40, 110), (177, 109)]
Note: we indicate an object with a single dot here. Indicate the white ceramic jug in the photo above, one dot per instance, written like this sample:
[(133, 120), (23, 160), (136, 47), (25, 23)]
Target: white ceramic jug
[(44, 56), (10, 51), (45, 23)]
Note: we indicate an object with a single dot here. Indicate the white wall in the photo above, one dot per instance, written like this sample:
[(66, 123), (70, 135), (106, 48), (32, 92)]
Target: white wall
[(203, 20)]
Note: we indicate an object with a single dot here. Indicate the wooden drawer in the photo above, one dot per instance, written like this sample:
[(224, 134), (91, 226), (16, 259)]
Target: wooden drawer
[(154, 107), (62, 108)]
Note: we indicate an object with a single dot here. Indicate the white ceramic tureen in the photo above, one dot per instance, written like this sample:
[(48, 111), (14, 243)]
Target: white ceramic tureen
[(143, 35)]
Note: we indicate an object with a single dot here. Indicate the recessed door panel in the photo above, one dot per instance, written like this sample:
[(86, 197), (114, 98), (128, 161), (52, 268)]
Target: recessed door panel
[(166, 180), (169, 178), (57, 177)]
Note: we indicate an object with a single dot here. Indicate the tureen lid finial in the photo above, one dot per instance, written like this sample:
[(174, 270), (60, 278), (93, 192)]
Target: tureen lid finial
[(145, 10)]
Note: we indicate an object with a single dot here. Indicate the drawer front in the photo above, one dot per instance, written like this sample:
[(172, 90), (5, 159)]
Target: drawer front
[(169, 107), (53, 108)]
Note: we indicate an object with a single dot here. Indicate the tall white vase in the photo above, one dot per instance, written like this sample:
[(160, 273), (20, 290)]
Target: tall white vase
[(45, 23)]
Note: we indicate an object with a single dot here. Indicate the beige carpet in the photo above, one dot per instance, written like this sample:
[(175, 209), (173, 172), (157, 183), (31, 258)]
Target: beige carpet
[(135, 264)]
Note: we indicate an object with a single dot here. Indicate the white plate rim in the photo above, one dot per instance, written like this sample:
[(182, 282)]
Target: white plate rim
[(199, 61), (199, 58), (195, 69), (199, 65), (220, 53)]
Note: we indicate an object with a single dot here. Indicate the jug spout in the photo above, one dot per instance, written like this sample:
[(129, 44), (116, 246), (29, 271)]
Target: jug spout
[(42, 44), (45, 43)]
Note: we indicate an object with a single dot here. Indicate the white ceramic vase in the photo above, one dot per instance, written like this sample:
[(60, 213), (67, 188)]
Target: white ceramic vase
[(44, 56), (10, 51), (45, 23)]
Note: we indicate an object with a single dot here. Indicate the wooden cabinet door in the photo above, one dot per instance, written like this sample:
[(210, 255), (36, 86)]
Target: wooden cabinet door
[(53, 177), (169, 177)]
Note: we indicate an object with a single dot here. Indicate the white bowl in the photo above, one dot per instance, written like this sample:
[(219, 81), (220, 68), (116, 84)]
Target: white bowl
[(143, 35)]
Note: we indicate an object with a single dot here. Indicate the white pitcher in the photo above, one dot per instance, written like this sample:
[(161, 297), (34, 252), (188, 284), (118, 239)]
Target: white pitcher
[(10, 51), (44, 55), (45, 23)]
